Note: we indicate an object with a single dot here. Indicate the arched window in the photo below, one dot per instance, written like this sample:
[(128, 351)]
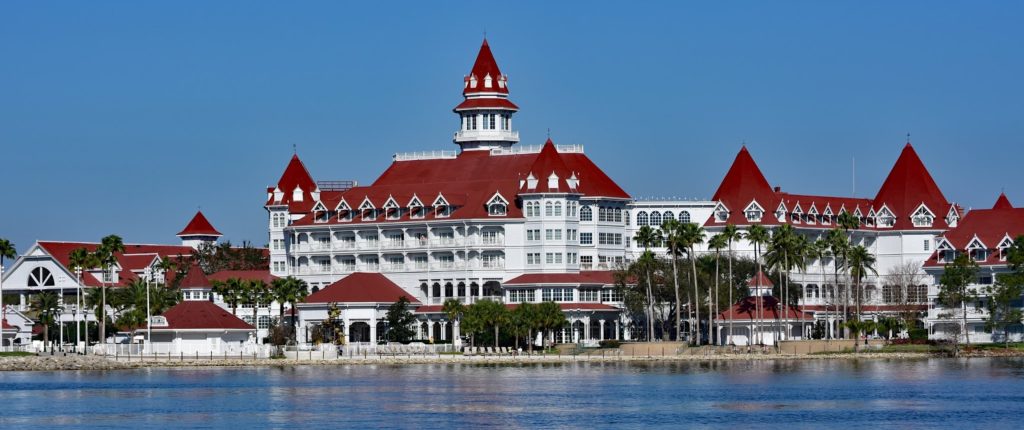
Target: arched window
[(264, 322), (655, 218), (548, 209), (40, 277), (641, 218), (684, 217), (668, 215), (586, 214)]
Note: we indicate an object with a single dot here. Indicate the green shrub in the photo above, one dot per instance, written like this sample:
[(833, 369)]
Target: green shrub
[(918, 334), (610, 343)]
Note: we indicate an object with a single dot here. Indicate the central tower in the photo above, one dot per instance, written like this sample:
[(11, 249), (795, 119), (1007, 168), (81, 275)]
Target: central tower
[(486, 113)]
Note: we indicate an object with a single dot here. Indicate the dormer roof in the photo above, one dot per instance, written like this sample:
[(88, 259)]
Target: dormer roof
[(1002, 202), (908, 186), (548, 162), (485, 67)]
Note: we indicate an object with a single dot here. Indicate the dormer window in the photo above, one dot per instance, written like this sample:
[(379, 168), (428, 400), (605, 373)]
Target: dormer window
[(812, 215), (1003, 247), (826, 217), (753, 212), (977, 250), (797, 215), (885, 218), (922, 217), (320, 214), (531, 182), (416, 208), (297, 194), (721, 213), (553, 181), (488, 81), (391, 209), (952, 217), (780, 212), (946, 253), (367, 212), (497, 206)]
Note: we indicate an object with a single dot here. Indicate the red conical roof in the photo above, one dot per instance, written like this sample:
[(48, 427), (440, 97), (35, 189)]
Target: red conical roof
[(549, 161), (195, 279), (760, 280), (1002, 202), (484, 66), (199, 226), (744, 183), (908, 186), (296, 175)]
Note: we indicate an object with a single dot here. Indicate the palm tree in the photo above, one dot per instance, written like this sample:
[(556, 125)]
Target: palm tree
[(549, 317), (524, 319), (716, 243), (819, 250), (861, 262), (839, 245), (731, 233), (785, 252), (167, 266), (232, 291), (691, 235), (647, 237), (757, 235), (47, 305), (81, 259), (847, 222), (290, 290), (453, 309), (6, 251), (106, 255), (671, 229)]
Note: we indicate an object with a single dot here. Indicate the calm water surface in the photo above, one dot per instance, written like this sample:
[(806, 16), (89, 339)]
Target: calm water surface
[(794, 394)]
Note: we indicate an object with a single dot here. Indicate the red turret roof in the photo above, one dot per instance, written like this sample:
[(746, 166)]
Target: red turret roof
[(760, 280), (295, 175), (199, 226), (908, 186), (743, 184), (484, 66), (747, 310), (361, 287), (195, 279), (1002, 202), (546, 163)]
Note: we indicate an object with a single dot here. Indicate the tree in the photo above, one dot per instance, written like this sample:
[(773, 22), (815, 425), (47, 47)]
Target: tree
[(857, 327), (647, 237), (524, 322), (290, 290), (847, 222), (232, 291), (954, 288), (491, 314), (400, 321), (758, 236), (453, 309), (130, 302), (716, 243), (168, 266), (80, 259), (106, 255), (820, 250), (215, 257), (731, 234), (904, 280), (785, 250), (549, 317), (839, 245), (47, 305), (691, 235), (672, 230), (1004, 294), (861, 262), (333, 320)]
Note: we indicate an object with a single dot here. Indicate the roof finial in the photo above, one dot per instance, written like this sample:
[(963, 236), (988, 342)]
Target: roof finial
[(908, 137), (295, 150), (549, 132)]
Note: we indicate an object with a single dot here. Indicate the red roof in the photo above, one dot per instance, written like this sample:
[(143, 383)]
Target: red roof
[(195, 278), (487, 103), (361, 287), (485, 66), (1002, 202), (246, 275), (199, 226), (201, 314), (595, 277), (743, 184), (61, 251), (990, 226), (760, 280), (435, 309), (867, 308), (908, 186), (295, 175), (746, 310), (6, 325), (467, 182)]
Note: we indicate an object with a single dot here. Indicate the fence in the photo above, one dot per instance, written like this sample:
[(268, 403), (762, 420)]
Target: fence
[(155, 351)]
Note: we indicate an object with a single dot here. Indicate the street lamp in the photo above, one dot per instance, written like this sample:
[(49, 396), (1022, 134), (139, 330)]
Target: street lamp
[(78, 306), (60, 317), (149, 329)]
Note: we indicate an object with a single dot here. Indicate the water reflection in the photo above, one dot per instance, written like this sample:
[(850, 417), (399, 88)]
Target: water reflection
[(791, 394)]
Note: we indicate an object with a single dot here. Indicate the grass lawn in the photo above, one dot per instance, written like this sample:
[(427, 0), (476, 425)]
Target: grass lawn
[(16, 354), (990, 346)]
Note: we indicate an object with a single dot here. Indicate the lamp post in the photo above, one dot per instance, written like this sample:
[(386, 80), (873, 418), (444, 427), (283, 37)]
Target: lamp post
[(60, 317), (149, 328), (78, 306)]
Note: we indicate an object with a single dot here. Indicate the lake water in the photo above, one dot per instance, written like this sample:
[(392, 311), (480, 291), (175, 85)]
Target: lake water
[(793, 394)]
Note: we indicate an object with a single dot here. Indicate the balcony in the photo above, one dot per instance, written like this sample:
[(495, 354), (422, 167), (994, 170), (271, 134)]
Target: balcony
[(486, 135), (344, 245)]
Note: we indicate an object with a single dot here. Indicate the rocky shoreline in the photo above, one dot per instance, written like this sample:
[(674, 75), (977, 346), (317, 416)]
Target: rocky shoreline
[(74, 362)]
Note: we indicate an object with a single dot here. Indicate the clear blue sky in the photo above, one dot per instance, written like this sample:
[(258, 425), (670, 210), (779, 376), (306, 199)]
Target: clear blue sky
[(123, 117)]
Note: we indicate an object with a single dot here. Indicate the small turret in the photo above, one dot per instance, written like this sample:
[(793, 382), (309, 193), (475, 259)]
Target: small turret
[(198, 231)]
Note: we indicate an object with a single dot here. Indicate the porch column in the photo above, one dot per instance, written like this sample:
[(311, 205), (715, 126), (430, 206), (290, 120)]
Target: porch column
[(616, 329), (601, 336), (426, 334), (444, 327), (586, 328), (456, 334), (373, 330)]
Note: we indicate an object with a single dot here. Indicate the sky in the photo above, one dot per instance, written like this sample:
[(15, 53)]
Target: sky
[(125, 117)]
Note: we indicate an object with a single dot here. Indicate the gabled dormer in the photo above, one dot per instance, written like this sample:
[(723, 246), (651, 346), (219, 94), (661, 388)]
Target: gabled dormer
[(952, 216), (416, 210), (721, 213), (870, 220), (884, 218), (780, 212), (497, 205), (297, 194), (945, 251), (320, 213), (278, 195), (827, 215), (553, 181), (753, 212), (922, 216), (797, 215), (392, 210), (977, 250), (367, 211), (531, 181), (441, 207), (343, 210), (812, 214), (573, 182), (1004, 246)]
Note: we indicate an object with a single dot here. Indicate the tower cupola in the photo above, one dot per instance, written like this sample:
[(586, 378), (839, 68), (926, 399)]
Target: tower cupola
[(485, 116)]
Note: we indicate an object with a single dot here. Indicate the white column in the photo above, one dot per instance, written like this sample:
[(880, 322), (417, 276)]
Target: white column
[(456, 334), (586, 328), (444, 326), (373, 331), (601, 336)]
